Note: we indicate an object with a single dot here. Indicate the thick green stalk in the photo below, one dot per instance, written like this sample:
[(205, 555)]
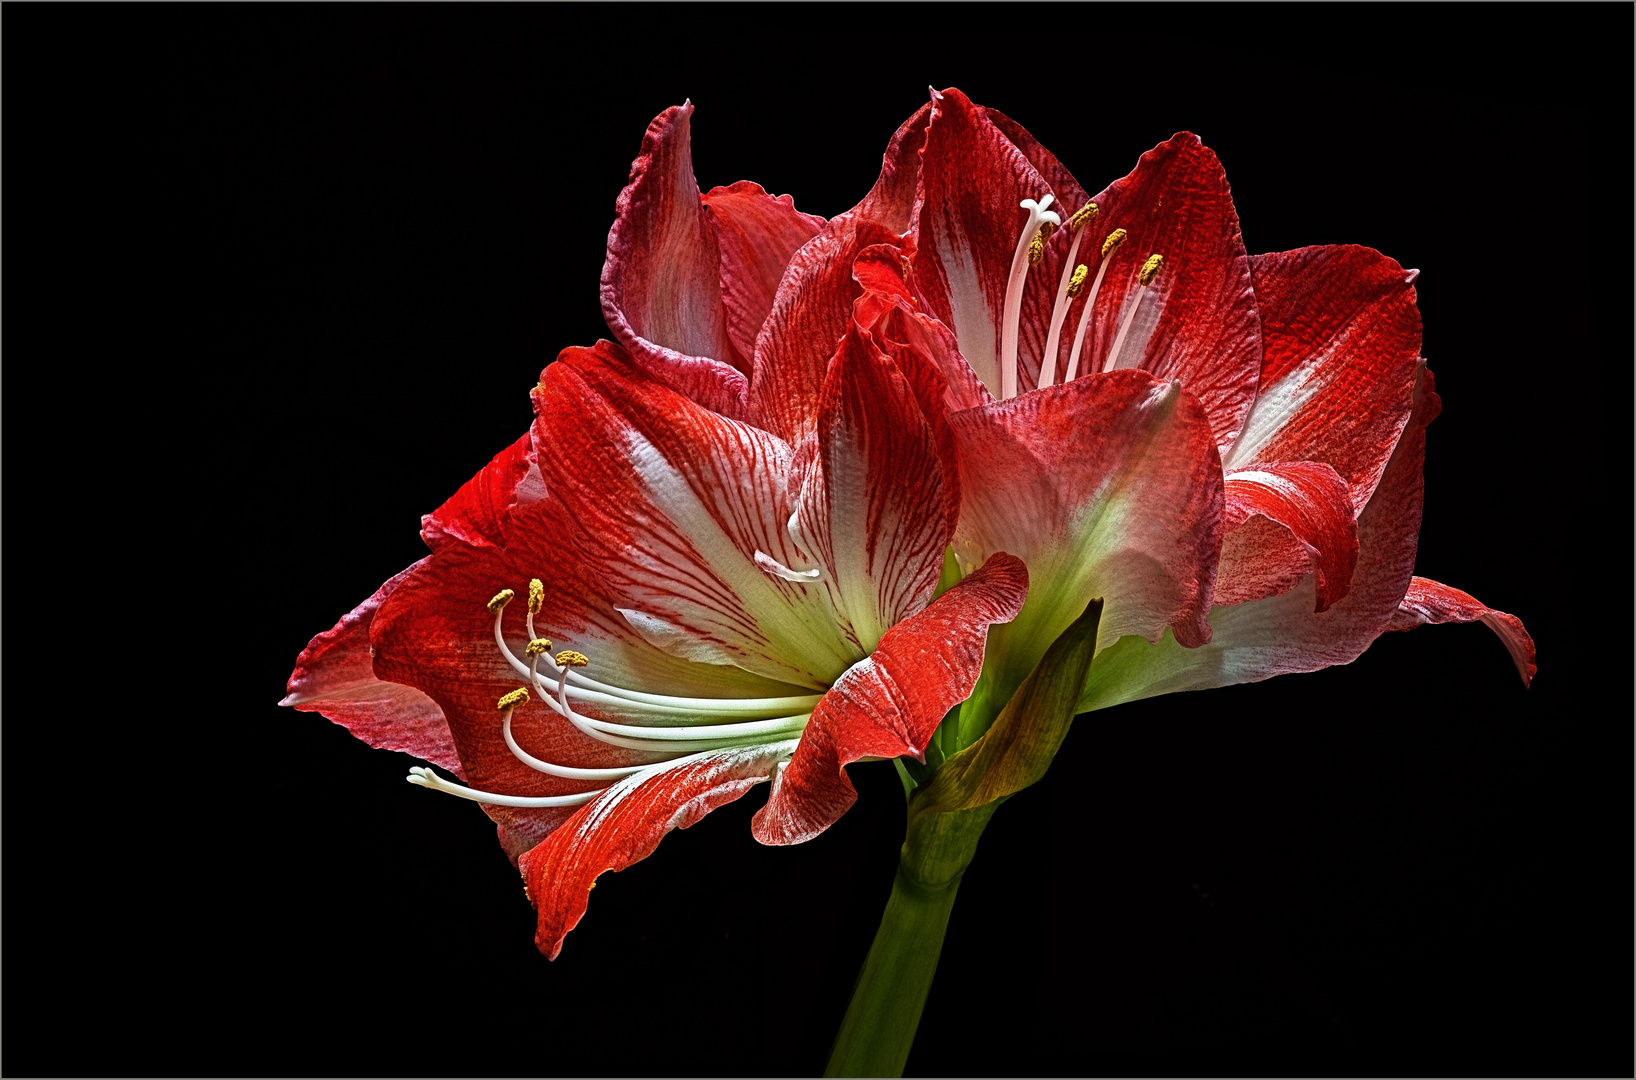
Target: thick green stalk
[(879, 1027), (949, 806)]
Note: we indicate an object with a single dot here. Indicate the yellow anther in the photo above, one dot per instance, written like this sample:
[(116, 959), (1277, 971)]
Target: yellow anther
[(512, 700), (1077, 283), (1083, 214), (536, 596), (1036, 249), (538, 646), (1046, 229), (1114, 239), (570, 658), (1150, 268), (501, 599), (907, 267)]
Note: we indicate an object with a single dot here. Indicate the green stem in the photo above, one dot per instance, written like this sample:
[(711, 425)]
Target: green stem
[(880, 1023), (879, 1027)]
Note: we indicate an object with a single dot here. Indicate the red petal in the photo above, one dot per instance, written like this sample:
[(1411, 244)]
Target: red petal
[(1341, 334), (815, 299), (966, 227), (811, 314), (1106, 487), (1068, 190), (1428, 601), (661, 284), (624, 825), (1284, 634), (335, 676), (888, 310), (435, 634), (875, 509), (671, 503), (479, 512), (890, 704), (1176, 203), (1285, 521), (758, 234)]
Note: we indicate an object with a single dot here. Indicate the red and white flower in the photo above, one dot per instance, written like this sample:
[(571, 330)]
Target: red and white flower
[(723, 609), (735, 519)]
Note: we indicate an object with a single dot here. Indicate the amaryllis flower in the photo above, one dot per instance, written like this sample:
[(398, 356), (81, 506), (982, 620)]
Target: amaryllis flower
[(1227, 449), (643, 608), (713, 559), (1141, 411)]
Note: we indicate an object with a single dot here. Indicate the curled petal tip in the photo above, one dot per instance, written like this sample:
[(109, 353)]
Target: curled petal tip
[(1410, 276)]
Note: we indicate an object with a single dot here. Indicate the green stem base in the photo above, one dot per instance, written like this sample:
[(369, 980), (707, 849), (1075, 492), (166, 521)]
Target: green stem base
[(880, 1023), (879, 1027)]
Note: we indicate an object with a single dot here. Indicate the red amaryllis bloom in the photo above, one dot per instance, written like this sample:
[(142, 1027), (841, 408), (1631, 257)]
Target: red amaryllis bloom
[(737, 516), (707, 605), (1227, 448), (1141, 411)]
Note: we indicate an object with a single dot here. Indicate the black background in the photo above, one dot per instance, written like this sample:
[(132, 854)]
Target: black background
[(332, 250)]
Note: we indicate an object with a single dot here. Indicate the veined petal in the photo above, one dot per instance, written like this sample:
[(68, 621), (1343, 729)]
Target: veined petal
[(1070, 193), (335, 676), (875, 509), (1284, 521), (814, 304), (809, 317), (966, 226), (1429, 601), (661, 283), (1198, 320), (1341, 335), (624, 825), (1285, 633), (890, 704), (888, 310), (671, 502), (758, 234), (1106, 487), (480, 511)]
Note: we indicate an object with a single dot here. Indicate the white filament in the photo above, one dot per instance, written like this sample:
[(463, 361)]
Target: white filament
[(427, 778), (1059, 312), (1085, 319), (600, 693), (1112, 361), (565, 771)]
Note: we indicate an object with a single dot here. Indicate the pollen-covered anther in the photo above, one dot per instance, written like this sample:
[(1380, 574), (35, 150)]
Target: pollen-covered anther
[(538, 647), (1150, 268), (501, 599), (536, 596), (1076, 284), (512, 700), (1036, 247), (1114, 239), (1084, 214), (569, 658)]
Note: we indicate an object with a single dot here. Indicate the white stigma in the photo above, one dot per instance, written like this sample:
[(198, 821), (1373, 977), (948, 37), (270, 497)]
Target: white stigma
[(1038, 214), (779, 570), (427, 778)]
